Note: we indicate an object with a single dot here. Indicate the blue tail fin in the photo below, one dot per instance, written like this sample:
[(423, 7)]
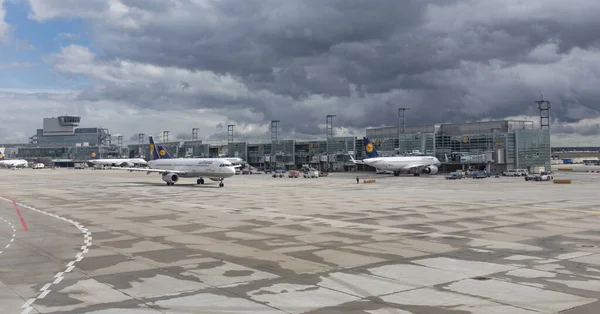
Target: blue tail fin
[(370, 151), (153, 150), (95, 155), (163, 153), (1, 156)]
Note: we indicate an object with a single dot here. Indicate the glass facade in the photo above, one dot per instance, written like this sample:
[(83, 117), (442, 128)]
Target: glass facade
[(239, 150), (496, 145), (503, 144), (533, 149), (78, 153), (283, 153), (81, 135)]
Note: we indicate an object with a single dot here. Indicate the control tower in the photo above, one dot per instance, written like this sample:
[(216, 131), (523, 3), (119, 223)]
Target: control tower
[(63, 125)]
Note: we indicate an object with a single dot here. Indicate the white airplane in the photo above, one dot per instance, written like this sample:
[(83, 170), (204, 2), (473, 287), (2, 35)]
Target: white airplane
[(122, 162), (16, 163), (171, 169), (234, 160), (398, 164)]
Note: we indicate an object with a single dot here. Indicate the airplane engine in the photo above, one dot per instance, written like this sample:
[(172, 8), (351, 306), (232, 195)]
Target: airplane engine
[(431, 169), (170, 178)]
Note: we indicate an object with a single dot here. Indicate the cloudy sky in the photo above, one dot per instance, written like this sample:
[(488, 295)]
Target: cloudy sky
[(147, 66)]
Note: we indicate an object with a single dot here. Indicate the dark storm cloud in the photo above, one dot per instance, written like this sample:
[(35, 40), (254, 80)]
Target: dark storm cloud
[(593, 129), (360, 60)]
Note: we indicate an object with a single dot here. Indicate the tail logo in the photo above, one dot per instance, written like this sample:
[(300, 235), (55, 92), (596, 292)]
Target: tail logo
[(151, 147), (93, 154), (162, 152), (369, 148), (1, 156)]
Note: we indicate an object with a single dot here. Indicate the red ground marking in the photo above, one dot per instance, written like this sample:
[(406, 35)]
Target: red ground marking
[(23, 223)]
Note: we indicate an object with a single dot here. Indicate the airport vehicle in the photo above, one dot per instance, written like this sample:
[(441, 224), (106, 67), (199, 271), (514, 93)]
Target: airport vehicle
[(39, 165), (543, 176), (480, 175), (13, 163), (311, 173), (515, 173), (454, 176), (398, 164), (171, 169), (294, 174)]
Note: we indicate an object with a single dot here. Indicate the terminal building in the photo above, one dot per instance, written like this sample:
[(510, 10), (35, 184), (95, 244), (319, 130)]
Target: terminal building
[(492, 145), (60, 140)]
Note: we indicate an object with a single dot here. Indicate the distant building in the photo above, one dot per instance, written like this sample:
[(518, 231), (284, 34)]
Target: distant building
[(494, 145), (491, 145), (61, 139)]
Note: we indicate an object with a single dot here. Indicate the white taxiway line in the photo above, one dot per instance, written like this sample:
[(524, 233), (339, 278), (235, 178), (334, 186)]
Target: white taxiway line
[(27, 306), (12, 239)]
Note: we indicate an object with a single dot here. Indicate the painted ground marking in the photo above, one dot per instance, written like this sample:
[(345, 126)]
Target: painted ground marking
[(27, 306)]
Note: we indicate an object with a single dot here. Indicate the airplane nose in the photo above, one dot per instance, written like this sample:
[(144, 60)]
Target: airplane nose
[(231, 170)]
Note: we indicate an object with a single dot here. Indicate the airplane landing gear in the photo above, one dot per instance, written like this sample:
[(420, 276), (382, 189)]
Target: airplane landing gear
[(170, 183), (417, 174), (200, 181), (221, 184), (396, 173)]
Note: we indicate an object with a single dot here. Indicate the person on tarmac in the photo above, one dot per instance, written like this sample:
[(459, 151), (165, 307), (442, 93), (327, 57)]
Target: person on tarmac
[(357, 180)]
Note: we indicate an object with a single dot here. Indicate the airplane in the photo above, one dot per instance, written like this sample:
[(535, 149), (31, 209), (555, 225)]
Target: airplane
[(16, 163), (398, 164), (171, 169), (123, 162)]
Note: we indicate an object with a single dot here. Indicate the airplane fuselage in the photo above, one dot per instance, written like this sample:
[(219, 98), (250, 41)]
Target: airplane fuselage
[(117, 161), (401, 163), (196, 167), (14, 163)]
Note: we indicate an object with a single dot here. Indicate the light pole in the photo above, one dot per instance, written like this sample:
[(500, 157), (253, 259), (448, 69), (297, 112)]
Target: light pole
[(402, 126)]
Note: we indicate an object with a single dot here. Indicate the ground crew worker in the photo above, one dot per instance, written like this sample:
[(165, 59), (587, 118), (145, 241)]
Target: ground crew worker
[(357, 180)]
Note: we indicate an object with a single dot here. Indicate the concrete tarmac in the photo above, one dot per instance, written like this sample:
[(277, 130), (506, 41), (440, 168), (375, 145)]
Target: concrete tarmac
[(128, 243)]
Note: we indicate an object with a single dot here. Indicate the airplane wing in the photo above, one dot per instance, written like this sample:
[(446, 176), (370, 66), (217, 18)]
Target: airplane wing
[(237, 166), (415, 166), (358, 162), (147, 170)]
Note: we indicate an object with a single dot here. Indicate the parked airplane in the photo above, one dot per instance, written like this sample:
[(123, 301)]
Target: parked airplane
[(17, 163), (398, 164), (116, 162), (171, 169)]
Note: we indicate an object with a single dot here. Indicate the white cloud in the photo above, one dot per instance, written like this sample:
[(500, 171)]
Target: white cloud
[(201, 63), (42, 10), (23, 110)]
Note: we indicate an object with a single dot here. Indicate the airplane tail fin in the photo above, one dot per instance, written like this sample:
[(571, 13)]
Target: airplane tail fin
[(370, 151), (163, 153), (153, 149), (1, 156), (95, 155)]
